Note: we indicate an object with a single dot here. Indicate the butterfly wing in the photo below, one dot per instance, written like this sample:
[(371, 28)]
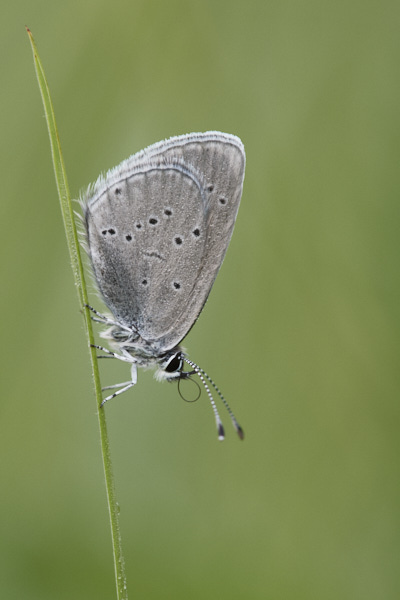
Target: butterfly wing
[(158, 227)]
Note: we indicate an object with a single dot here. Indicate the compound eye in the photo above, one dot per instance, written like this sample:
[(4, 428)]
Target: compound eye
[(174, 364)]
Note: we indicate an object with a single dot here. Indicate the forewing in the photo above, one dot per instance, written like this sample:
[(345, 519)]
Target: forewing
[(147, 236)]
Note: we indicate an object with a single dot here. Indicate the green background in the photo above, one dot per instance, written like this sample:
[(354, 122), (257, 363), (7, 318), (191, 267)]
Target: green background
[(300, 331)]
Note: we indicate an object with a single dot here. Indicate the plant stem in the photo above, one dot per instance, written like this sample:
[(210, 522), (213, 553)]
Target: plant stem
[(77, 268)]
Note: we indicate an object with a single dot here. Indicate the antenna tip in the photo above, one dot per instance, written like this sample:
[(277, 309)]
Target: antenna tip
[(221, 432), (240, 432)]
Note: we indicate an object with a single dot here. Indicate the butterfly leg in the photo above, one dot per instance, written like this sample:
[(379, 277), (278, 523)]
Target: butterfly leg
[(132, 382), (126, 385), (110, 354), (100, 318), (118, 392)]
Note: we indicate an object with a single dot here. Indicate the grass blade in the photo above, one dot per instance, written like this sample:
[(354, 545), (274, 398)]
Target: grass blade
[(77, 268)]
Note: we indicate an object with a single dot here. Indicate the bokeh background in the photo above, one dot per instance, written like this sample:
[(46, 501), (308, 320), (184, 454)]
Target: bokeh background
[(300, 332)]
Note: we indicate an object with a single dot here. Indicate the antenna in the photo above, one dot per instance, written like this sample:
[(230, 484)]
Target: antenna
[(202, 374)]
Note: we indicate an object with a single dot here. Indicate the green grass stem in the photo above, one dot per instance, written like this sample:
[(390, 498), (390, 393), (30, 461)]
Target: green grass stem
[(77, 268)]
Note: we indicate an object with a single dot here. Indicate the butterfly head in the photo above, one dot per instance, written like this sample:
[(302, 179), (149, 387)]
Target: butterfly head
[(170, 366)]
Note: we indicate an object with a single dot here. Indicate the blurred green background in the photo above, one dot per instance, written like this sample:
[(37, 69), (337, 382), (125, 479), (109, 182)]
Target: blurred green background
[(300, 331)]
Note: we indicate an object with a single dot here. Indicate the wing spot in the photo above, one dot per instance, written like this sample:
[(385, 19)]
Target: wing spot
[(153, 254)]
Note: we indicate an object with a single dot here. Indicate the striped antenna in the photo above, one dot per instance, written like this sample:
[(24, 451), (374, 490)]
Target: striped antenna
[(202, 374)]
